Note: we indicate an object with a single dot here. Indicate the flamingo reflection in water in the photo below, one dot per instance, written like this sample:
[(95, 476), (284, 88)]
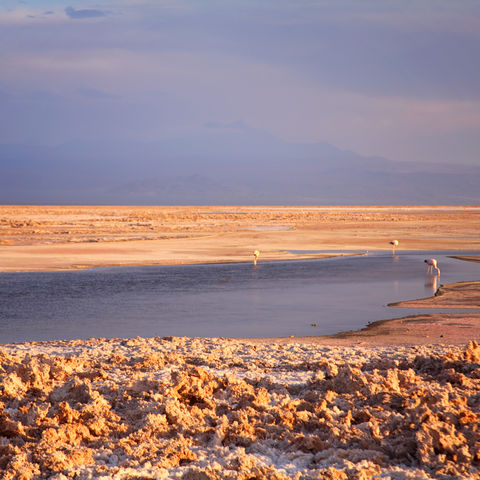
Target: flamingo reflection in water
[(432, 282)]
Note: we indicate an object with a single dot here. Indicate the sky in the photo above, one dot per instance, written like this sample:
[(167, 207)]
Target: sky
[(398, 79)]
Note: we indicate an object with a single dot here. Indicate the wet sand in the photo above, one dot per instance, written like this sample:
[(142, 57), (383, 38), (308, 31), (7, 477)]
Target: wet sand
[(442, 328)]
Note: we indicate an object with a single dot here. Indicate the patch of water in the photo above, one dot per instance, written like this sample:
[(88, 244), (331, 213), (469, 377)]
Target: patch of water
[(226, 300)]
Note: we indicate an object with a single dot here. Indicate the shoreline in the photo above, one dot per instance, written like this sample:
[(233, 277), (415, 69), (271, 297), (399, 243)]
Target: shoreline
[(271, 258), (43, 238)]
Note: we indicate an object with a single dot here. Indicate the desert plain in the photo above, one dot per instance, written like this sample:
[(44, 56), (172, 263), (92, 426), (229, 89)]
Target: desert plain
[(68, 237), (397, 400)]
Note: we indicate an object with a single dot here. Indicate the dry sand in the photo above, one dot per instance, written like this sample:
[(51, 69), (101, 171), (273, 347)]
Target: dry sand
[(397, 400)]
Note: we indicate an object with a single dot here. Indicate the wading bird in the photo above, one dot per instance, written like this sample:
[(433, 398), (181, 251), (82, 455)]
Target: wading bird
[(432, 264), (394, 243), (256, 254)]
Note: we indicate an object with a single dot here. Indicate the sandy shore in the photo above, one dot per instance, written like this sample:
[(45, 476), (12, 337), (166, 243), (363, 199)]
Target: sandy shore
[(440, 328), (50, 237)]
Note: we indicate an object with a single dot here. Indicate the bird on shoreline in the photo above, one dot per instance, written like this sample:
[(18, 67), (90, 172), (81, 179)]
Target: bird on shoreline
[(256, 254), (432, 264), (394, 243)]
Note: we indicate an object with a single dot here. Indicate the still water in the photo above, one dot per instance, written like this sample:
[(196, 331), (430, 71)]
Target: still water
[(227, 300)]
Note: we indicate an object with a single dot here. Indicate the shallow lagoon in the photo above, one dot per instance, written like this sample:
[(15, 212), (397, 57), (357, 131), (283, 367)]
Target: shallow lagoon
[(226, 300)]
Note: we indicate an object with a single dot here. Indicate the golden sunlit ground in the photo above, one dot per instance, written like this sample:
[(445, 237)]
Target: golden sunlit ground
[(65, 237)]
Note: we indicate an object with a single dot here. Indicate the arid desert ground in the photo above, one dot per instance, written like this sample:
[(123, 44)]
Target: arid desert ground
[(59, 237), (397, 400)]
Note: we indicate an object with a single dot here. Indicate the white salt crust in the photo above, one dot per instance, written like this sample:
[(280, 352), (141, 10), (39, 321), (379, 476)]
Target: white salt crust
[(199, 409)]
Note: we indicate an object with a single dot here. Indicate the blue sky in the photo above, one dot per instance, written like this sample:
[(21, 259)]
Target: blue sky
[(399, 79)]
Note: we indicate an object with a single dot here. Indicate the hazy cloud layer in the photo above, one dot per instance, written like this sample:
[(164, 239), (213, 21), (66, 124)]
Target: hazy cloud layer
[(390, 78), (86, 13)]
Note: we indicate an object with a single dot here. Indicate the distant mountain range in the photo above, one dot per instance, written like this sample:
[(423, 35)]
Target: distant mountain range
[(223, 164)]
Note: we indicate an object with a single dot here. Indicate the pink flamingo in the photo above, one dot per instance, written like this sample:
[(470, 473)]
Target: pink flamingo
[(432, 264), (256, 254), (394, 243)]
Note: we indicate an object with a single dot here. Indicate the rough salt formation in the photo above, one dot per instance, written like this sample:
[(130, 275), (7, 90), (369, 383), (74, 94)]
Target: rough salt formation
[(199, 409)]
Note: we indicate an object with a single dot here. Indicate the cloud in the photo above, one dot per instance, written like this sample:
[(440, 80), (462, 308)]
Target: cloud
[(95, 94), (237, 125), (374, 80), (42, 96), (81, 14), (38, 95), (29, 16)]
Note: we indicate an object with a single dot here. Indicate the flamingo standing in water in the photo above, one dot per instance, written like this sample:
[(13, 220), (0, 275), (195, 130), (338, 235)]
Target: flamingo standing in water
[(394, 243), (256, 254), (432, 264)]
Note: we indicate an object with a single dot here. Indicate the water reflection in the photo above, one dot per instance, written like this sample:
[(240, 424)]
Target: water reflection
[(431, 282)]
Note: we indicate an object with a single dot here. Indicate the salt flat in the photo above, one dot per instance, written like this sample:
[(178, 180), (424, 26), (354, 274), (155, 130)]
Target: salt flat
[(69, 237), (223, 409), (397, 400)]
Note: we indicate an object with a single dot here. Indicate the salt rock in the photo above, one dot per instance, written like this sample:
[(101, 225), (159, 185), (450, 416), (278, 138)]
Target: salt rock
[(198, 474), (472, 352), (21, 468), (35, 371), (331, 473), (348, 380), (220, 431), (67, 414), (10, 428), (144, 385), (73, 390), (36, 413), (59, 461), (65, 435), (242, 461), (62, 368), (155, 422), (331, 370), (388, 413), (13, 386)]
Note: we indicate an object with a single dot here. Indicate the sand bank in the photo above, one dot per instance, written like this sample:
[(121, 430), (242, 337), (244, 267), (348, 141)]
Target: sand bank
[(441, 328), (51, 237), (453, 295)]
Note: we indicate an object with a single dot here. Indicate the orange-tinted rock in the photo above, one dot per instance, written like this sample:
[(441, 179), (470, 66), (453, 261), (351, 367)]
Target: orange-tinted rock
[(171, 407)]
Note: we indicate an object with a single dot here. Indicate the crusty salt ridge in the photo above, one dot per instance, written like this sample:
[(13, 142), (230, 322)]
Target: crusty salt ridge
[(197, 409)]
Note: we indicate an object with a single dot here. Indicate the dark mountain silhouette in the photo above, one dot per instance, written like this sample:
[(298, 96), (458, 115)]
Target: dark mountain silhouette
[(223, 164)]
